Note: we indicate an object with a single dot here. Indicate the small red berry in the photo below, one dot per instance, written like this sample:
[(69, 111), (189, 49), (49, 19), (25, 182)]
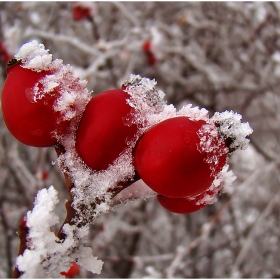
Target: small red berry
[(30, 121), (168, 160), (73, 270), (80, 12), (103, 132), (146, 47), (178, 205)]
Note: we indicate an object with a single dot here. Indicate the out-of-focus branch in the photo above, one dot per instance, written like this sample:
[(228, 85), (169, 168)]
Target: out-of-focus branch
[(64, 39), (250, 237)]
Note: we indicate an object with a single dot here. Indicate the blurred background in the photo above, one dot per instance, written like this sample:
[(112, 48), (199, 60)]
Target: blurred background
[(220, 56)]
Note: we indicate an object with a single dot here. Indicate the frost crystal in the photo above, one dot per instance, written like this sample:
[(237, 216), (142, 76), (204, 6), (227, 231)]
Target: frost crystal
[(212, 144), (46, 256), (34, 56), (233, 130), (221, 184)]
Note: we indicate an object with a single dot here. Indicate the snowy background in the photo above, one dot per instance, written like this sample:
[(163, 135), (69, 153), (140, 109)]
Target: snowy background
[(220, 56)]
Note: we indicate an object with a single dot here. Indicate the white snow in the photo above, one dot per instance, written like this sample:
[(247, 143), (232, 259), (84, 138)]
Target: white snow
[(34, 56), (72, 94), (230, 126), (46, 256)]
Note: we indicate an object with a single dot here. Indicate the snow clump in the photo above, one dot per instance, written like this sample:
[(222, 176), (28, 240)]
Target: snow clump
[(46, 256)]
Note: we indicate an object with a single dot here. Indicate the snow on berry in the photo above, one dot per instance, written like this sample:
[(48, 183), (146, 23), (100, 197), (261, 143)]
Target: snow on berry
[(42, 99), (74, 95)]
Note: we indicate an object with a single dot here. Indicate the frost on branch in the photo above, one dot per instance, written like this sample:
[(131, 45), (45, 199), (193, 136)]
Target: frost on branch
[(46, 256)]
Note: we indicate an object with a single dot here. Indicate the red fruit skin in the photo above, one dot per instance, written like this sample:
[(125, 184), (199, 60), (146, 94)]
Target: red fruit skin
[(32, 123), (103, 132), (167, 159), (178, 205), (146, 47), (73, 270), (80, 13)]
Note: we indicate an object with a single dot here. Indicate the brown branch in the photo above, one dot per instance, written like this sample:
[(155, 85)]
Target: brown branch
[(23, 232)]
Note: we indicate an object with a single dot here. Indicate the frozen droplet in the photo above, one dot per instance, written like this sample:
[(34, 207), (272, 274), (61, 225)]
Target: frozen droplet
[(53, 162)]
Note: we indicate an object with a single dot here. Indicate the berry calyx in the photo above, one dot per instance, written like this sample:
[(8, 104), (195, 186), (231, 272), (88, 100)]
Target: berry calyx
[(29, 119), (169, 161), (179, 205), (104, 130)]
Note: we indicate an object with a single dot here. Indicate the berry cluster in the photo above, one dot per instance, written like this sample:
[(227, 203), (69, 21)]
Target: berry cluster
[(180, 155)]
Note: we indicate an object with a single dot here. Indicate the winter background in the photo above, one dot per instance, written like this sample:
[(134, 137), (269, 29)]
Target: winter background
[(218, 56)]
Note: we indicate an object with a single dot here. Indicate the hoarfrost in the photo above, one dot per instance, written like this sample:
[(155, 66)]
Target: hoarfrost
[(60, 80), (221, 184), (34, 56), (46, 256), (233, 130)]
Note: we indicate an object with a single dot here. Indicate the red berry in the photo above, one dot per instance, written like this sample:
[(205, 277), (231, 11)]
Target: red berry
[(32, 123), (103, 132), (178, 205), (146, 47), (73, 270), (169, 162), (151, 59), (80, 12)]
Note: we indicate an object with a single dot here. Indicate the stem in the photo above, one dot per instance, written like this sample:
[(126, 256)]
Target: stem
[(71, 213), (23, 232)]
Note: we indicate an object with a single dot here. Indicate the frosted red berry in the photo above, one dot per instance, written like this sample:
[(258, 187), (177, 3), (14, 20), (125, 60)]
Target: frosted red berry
[(104, 130), (29, 121), (179, 205), (168, 160)]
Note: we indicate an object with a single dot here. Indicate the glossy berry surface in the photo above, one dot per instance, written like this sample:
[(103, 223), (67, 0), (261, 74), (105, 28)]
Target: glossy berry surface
[(178, 205), (32, 123), (168, 160), (103, 132)]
